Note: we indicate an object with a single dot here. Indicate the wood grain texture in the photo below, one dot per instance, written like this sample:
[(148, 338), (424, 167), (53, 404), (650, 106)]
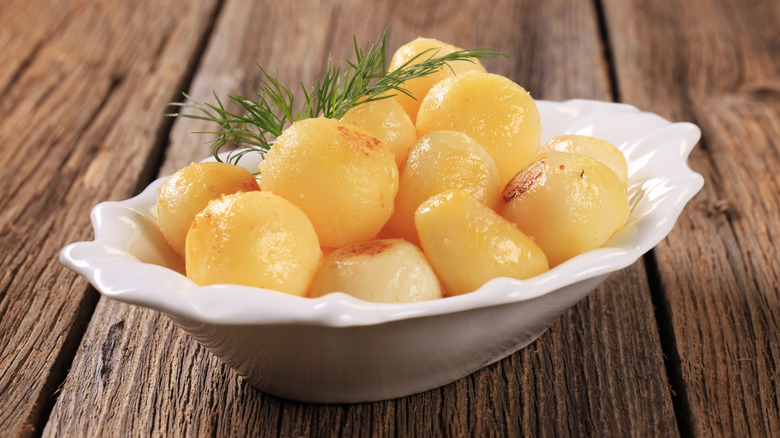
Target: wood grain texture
[(720, 268), (83, 85), (137, 374)]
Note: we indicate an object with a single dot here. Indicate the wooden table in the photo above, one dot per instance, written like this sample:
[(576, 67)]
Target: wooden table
[(685, 341)]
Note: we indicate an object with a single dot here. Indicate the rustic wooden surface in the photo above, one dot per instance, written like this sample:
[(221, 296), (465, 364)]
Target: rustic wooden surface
[(719, 285), (683, 342)]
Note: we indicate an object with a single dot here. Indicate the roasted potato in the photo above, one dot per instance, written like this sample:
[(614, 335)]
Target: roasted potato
[(387, 121), (496, 112), (592, 147), (467, 243), (387, 271), (439, 161), (339, 174), (419, 87), (568, 203), (185, 193), (253, 239)]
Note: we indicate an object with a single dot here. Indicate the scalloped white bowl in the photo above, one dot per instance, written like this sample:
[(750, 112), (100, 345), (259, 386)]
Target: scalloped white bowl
[(340, 349)]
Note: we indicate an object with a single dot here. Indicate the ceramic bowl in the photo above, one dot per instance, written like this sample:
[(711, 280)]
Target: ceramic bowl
[(340, 349)]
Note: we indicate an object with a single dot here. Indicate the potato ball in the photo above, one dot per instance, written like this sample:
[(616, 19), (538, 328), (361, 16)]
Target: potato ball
[(387, 121), (468, 244), (386, 271), (568, 203), (254, 239), (419, 87), (439, 161), (185, 193), (592, 147), (496, 112), (340, 175)]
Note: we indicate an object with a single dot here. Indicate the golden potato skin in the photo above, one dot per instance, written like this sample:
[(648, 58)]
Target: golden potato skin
[(254, 239), (385, 271), (387, 121), (592, 147), (496, 112), (467, 243), (419, 87), (439, 161), (568, 203), (340, 175), (185, 193)]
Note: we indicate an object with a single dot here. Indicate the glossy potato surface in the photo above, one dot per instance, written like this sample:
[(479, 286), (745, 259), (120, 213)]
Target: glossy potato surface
[(340, 175), (386, 271), (467, 243), (419, 87), (567, 203), (596, 148), (496, 112), (254, 239), (387, 121), (185, 193), (439, 161)]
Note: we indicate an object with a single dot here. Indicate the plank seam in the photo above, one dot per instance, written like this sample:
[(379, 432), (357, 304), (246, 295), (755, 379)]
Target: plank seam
[(44, 405), (665, 328), (156, 156), (607, 50), (672, 360), (61, 366), (46, 399)]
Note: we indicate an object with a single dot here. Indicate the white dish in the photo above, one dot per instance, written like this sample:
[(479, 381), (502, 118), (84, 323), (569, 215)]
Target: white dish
[(340, 349)]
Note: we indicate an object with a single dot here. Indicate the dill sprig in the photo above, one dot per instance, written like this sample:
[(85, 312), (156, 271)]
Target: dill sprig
[(366, 79)]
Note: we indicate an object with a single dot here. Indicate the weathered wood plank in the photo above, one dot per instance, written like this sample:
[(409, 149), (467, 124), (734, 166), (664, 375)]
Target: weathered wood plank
[(716, 64), (84, 84), (136, 373)]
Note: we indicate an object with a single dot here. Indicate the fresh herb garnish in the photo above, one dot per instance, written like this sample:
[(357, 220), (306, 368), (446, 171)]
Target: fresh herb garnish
[(363, 80)]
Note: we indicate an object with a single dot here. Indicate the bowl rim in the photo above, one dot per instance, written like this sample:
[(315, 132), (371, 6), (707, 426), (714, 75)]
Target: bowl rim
[(109, 266)]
